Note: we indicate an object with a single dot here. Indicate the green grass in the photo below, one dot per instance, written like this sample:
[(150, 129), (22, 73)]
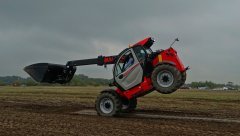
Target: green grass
[(45, 94), (179, 94), (204, 101), (202, 95), (92, 92)]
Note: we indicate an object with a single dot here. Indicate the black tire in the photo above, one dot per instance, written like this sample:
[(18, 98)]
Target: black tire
[(166, 78), (183, 78), (108, 103), (129, 105)]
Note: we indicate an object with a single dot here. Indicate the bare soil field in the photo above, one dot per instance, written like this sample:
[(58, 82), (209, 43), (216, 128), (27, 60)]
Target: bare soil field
[(49, 111)]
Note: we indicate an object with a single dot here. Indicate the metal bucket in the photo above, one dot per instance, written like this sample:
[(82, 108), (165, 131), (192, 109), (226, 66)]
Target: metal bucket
[(50, 73)]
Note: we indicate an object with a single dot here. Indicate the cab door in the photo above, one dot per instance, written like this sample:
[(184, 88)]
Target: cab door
[(127, 71)]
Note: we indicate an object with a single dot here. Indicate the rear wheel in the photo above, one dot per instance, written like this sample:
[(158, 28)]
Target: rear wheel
[(166, 79), (183, 78), (108, 103), (129, 105)]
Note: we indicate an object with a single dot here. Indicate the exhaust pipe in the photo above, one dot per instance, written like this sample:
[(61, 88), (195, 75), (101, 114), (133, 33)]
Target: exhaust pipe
[(50, 73)]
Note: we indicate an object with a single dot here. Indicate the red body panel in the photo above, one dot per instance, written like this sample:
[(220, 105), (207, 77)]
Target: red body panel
[(142, 42), (109, 59), (147, 42), (169, 56), (143, 88)]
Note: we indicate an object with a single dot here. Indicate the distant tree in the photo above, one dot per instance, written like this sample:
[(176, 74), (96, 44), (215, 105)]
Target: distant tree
[(9, 80), (16, 83), (78, 80), (208, 84), (2, 83), (229, 83), (82, 80), (30, 82)]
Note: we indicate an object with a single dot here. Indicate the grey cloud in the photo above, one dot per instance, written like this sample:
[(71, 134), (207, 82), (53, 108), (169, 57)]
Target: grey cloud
[(58, 31)]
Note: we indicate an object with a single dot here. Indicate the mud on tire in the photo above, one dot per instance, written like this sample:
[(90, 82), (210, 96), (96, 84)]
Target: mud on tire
[(166, 78), (108, 103)]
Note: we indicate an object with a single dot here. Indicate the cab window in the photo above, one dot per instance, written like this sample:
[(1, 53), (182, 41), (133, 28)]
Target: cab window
[(140, 53), (126, 61)]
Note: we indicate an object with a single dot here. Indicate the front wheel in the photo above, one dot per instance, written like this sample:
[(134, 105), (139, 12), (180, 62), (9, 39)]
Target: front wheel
[(108, 104), (166, 78)]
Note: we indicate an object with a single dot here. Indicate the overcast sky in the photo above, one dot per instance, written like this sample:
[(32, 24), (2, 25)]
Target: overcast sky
[(56, 31)]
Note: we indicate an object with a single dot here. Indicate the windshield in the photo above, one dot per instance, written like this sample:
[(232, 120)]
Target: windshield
[(126, 61), (149, 51), (140, 52)]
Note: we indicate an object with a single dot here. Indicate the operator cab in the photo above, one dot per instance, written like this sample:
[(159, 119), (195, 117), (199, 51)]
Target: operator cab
[(129, 69)]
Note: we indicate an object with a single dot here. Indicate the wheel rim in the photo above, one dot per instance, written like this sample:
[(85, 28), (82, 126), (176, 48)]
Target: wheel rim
[(106, 105), (165, 78)]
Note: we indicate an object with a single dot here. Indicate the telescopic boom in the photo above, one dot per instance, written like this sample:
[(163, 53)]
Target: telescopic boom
[(56, 73)]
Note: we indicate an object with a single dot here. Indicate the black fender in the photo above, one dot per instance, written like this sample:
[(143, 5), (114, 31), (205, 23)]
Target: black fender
[(166, 63), (112, 91)]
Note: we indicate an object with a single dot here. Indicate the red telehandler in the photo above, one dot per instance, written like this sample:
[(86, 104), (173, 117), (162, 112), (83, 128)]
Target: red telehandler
[(137, 71)]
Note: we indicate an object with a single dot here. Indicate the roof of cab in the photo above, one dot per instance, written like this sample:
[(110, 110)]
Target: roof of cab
[(147, 42)]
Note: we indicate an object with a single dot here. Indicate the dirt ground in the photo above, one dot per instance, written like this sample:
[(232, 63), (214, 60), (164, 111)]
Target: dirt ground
[(39, 113)]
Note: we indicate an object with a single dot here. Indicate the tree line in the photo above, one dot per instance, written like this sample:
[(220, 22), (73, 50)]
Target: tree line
[(212, 85), (78, 80), (82, 80)]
